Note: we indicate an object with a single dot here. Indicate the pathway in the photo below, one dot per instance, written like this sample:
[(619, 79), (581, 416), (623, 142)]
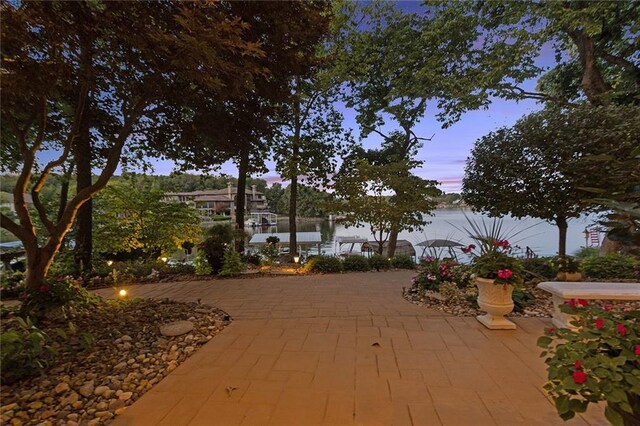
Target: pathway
[(342, 350)]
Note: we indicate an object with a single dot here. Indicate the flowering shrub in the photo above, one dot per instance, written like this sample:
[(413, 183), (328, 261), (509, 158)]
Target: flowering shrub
[(599, 361), (434, 272), (60, 292)]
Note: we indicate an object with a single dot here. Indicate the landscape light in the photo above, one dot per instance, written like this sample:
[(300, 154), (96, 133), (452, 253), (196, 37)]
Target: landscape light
[(109, 262), (164, 259), (122, 293), (296, 259)]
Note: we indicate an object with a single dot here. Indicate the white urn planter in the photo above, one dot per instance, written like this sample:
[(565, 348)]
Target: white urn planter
[(496, 301)]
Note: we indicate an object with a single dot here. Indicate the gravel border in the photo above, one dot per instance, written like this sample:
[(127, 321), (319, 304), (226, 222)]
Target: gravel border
[(128, 357)]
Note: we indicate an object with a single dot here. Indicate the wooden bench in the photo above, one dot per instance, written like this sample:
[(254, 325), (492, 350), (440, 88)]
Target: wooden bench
[(564, 291)]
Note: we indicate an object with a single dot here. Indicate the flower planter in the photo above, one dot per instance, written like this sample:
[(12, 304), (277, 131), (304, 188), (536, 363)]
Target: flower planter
[(496, 301), (569, 276)]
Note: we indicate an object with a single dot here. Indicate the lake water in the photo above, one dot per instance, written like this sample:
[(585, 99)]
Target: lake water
[(539, 235)]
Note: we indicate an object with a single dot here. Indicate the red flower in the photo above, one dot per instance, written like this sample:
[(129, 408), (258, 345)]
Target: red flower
[(505, 274), (599, 323), (579, 377), (607, 307), (550, 330), (637, 350), (44, 288), (582, 302), (468, 249), (571, 303), (577, 365), (621, 329)]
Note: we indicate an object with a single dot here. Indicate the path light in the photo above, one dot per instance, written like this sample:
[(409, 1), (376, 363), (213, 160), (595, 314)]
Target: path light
[(109, 262), (296, 259), (164, 259), (122, 293)]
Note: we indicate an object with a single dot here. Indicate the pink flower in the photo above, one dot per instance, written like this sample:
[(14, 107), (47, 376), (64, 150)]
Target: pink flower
[(550, 330), (431, 277), (468, 248), (577, 365), (607, 307), (599, 323), (571, 303), (505, 274), (579, 377), (636, 349), (621, 329), (44, 288)]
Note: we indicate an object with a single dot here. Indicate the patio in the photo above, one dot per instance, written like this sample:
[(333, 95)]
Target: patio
[(346, 349)]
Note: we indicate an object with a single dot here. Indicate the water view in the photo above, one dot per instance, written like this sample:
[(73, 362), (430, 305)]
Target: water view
[(540, 236)]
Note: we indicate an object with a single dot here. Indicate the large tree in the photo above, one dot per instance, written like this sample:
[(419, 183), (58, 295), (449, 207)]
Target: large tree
[(309, 139), (365, 194), (132, 217), (548, 164), (151, 57), (596, 45)]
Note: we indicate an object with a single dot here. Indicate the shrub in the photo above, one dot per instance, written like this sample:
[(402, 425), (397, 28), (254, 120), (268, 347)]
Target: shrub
[(232, 265), (539, 267), (402, 261), (270, 249), (356, 263), (12, 284), (63, 264), (609, 266), (566, 264), (181, 268), (23, 351), (379, 262), (323, 264), (252, 259), (522, 298), (61, 293), (217, 239), (585, 252), (142, 268), (200, 264), (596, 361)]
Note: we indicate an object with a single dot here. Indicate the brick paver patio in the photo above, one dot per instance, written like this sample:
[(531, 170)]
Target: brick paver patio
[(342, 350)]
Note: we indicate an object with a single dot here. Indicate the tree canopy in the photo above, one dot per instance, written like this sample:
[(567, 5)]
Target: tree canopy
[(549, 163)]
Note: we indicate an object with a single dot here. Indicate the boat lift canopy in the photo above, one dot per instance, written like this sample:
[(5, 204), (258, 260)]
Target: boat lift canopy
[(304, 238)]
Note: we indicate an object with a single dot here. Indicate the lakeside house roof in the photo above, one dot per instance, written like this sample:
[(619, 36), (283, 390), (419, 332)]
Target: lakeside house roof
[(212, 192)]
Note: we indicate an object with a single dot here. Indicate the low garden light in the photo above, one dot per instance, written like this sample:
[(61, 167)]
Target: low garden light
[(296, 259), (122, 293), (164, 259), (109, 262)]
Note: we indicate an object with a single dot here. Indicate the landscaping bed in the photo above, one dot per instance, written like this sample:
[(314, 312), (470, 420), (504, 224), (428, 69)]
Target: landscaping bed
[(110, 356)]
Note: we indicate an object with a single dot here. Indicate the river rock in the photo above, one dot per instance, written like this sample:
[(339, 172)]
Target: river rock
[(100, 390), (176, 328), (86, 389), (61, 388)]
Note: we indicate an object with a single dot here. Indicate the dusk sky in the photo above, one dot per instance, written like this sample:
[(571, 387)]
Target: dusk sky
[(445, 155)]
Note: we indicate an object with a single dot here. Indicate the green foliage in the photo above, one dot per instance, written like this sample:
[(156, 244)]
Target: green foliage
[(610, 266), (200, 264), (402, 261), (270, 251), (586, 252), (251, 259), (566, 264), (232, 265), (323, 264), (11, 284), (564, 149), (379, 262), (539, 267), (218, 237), (141, 268), (23, 351), (598, 361), (522, 298), (361, 191), (493, 260), (434, 272), (63, 264), (133, 216), (61, 293), (356, 263), (180, 268)]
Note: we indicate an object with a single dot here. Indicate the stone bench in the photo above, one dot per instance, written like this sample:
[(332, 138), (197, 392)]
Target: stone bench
[(563, 291)]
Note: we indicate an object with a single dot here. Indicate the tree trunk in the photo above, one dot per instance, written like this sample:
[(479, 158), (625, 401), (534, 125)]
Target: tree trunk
[(393, 242), (243, 168), (293, 199), (39, 261), (592, 80), (84, 220), (561, 223), (64, 191)]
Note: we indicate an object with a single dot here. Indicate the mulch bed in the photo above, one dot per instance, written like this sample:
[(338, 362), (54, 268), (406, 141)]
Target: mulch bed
[(128, 357)]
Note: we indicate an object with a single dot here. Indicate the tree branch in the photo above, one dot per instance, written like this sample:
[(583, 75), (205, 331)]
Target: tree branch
[(7, 223)]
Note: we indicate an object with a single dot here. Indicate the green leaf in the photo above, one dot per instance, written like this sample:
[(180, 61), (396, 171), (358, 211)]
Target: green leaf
[(544, 341), (613, 416), (562, 404)]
